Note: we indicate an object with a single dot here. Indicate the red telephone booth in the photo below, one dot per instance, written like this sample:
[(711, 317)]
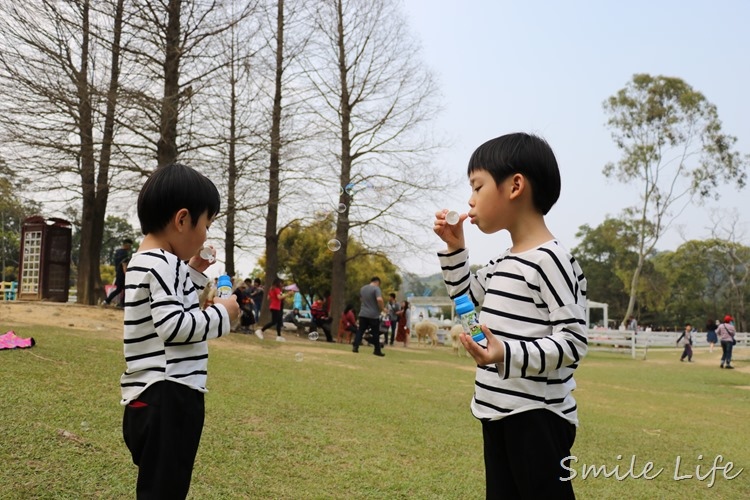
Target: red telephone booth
[(45, 259)]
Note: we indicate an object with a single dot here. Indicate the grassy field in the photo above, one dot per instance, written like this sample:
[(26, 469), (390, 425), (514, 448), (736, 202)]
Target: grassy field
[(313, 420)]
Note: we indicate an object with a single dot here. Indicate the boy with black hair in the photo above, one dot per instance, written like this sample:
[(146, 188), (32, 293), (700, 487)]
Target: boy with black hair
[(686, 340), (165, 331), (533, 314)]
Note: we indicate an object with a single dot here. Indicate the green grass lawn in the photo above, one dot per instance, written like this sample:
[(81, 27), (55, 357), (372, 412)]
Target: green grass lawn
[(344, 425)]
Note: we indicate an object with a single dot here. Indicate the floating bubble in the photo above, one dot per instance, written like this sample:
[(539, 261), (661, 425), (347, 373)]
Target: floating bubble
[(355, 187), (341, 208), (452, 218), (298, 357), (334, 245), (312, 336), (84, 426)]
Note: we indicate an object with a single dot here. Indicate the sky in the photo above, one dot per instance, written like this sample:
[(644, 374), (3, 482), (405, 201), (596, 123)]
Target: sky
[(546, 67)]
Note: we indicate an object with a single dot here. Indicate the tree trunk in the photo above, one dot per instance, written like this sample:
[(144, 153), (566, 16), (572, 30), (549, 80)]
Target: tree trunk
[(272, 236), (88, 271), (338, 269), (229, 235), (166, 147), (633, 289)]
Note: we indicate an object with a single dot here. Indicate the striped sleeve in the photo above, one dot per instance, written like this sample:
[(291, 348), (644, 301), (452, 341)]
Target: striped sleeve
[(561, 286), (174, 322), (458, 278)]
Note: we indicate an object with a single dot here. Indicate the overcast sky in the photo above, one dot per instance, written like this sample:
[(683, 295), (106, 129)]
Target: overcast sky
[(546, 67)]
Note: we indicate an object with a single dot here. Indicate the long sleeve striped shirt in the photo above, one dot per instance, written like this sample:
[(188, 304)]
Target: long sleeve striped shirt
[(166, 332), (534, 302)]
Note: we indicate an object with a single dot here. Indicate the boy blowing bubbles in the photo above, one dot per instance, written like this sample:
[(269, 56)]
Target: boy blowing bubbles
[(533, 314), (166, 332)]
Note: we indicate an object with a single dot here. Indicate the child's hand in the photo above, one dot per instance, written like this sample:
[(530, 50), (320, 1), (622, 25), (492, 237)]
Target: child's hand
[(231, 305), (199, 263), (493, 353), (452, 235)]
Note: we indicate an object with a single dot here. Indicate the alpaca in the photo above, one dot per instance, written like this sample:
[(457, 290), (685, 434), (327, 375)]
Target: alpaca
[(424, 330), (455, 341)]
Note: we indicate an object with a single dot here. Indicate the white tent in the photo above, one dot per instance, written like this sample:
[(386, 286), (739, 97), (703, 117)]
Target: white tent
[(598, 305)]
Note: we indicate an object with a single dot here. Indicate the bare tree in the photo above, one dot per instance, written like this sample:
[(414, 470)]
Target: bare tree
[(170, 61), (374, 100), (735, 265), (60, 110), (673, 150)]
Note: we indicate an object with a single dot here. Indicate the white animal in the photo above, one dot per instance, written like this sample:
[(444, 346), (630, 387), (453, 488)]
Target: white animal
[(425, 329), (456, 342)]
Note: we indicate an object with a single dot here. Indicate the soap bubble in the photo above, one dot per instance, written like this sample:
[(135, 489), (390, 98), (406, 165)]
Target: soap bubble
[(355, 187), (334, 245), (452, 217), (341, 208), (84, 426), (298, 357), (312, 336)]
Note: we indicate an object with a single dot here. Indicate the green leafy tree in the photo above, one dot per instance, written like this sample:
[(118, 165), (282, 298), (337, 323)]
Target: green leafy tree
[(305, 259), (605, 254), (673, 151)]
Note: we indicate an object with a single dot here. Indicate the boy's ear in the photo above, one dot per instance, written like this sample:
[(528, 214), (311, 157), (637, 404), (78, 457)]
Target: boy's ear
[(181, 219), (517, 185)]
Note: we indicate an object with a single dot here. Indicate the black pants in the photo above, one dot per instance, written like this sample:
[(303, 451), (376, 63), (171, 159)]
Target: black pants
[(119, 287), (372, 324), (277, 319), (687, 353), (162, 430), (522, 455), (324, 324)]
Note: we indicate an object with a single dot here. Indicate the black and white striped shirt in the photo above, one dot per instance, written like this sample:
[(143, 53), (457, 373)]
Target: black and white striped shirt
[(535, 303), (165, 330)]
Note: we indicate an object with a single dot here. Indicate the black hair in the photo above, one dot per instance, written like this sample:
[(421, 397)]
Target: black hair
[(127, 241), (171, 188), (257, 281), (349, 307), (276, 282), (374, 278), (525, 154)]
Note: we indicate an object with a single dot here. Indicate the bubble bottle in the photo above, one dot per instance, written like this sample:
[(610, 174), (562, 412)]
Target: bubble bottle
[(469, 317), (224, 286)]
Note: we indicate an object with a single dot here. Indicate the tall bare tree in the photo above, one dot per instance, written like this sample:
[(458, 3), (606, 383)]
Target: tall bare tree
[(170, 61), (59, 112), (673, 151), (375, 99)]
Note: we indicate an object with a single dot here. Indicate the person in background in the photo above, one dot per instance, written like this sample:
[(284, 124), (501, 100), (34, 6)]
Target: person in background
[(393, 309), (121, 258), (246, 306), (256, 293), (369, 315), (686, 340), (276, 296), (404, 324), (711, 336), (726, 333), (320, 318), (347, 325), (293, 316)]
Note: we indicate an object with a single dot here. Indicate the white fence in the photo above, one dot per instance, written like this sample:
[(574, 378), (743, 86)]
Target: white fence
[(624, 341)]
